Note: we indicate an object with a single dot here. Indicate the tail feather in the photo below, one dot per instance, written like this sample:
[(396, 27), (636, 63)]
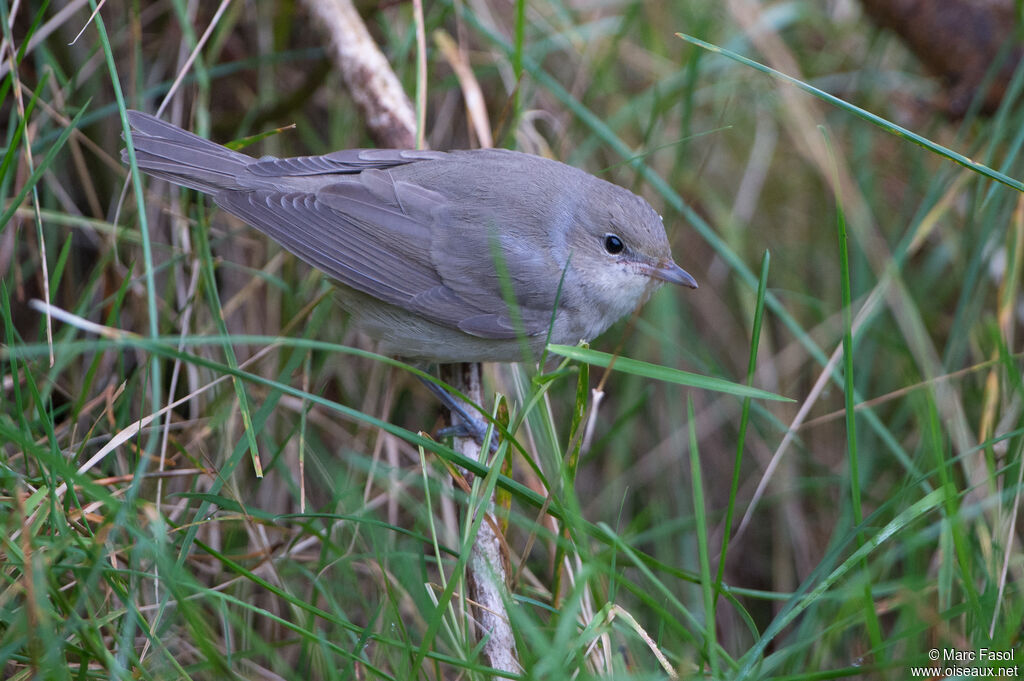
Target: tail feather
[(170, 153)]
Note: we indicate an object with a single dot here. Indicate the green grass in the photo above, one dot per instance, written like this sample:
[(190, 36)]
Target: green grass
[(647, 541)]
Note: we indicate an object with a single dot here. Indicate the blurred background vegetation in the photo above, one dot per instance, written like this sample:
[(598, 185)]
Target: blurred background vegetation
[(139, 547)]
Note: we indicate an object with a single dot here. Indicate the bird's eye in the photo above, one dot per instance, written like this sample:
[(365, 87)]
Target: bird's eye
[(613, 244)]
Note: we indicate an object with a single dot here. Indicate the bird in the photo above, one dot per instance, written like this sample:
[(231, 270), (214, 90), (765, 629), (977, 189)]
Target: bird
[(481, 255)]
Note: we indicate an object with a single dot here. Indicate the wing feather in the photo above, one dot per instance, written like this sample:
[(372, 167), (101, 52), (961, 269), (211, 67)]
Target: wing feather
[(346, 161), (375, 257)]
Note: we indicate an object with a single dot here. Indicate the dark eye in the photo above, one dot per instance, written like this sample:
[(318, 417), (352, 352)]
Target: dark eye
[(613, 244)]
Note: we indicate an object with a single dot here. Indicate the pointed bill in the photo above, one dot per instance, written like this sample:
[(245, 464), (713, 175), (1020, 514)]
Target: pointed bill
[(670, 272)]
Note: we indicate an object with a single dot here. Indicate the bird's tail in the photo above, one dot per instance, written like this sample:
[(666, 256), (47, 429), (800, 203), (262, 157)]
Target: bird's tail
[(170, 153)]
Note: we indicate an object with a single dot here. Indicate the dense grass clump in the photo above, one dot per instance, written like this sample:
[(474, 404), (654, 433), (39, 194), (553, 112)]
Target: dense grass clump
[(158, 356)]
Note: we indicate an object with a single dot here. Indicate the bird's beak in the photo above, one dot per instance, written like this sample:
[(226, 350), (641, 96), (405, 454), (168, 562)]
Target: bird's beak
[(670, 272)]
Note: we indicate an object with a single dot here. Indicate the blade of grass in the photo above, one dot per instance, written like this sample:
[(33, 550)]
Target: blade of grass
[(33, 179), (710, 647), (517, 63), (206, 259), (661, 373), (755, 340), (155, 370), (870, 616)]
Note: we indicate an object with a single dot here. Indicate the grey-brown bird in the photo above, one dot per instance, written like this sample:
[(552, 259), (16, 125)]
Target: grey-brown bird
[(464, 256)]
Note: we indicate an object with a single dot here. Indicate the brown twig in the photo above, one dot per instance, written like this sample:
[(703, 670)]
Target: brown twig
[(369, 77)]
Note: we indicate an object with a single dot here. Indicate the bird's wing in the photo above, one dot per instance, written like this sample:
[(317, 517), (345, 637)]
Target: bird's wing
[(378, 234), (346, 161)]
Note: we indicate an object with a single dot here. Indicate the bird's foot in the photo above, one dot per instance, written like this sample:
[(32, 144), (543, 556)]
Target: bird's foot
[(465, 424)]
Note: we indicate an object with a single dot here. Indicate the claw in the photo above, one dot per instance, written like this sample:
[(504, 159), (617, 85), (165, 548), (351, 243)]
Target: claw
[(467, 425)]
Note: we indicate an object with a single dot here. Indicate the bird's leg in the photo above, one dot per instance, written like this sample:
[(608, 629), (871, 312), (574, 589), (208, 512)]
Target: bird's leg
[(464, 424)]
